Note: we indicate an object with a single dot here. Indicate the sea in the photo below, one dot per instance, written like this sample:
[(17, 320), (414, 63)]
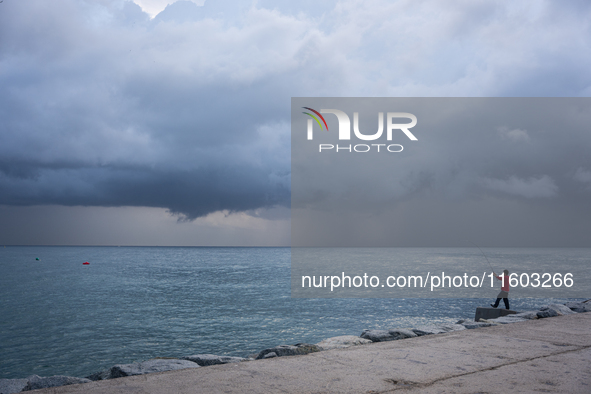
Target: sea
[(59, 316)]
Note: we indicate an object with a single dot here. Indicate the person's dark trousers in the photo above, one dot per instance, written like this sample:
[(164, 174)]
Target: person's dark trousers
[(506, 300)]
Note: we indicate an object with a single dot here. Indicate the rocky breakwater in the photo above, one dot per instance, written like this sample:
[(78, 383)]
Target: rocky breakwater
[(204, 360), (9, 386), (34, 382), (288, 350), (142, 368)]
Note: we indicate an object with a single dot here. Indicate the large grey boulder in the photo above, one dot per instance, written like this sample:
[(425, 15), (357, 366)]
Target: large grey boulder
[(36, 382), (145, 367), (579, 307), (401, 333), (101, 375), (342, 341), (387, 335), (150, 366), (547, 313), (10, 386), (205, 360), (529, 315), (289, 350), (428, 330), (470, 325), (431, 329), (554, 310), (376, 335), (452, 327)]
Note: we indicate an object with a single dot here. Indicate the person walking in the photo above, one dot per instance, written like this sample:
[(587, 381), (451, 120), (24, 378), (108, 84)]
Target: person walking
[(504, 294)]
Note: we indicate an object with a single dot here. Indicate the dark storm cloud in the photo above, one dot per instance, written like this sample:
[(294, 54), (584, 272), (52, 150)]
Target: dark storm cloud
[(89, 121), (191, 193), (188, 111)]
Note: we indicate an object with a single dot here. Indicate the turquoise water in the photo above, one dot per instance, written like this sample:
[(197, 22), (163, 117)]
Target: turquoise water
[(59, 316)]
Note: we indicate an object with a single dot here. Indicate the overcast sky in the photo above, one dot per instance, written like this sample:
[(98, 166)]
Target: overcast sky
[(148, 123), (490, 171)]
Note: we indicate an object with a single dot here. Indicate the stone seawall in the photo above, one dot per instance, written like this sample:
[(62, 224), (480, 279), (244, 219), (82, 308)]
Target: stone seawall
[(326, 347)]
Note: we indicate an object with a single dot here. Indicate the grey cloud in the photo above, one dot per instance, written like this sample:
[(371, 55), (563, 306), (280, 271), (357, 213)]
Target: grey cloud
[(582, 176), (514, 134), (115, 130), (534, 187), (189, 111), (191, 193)]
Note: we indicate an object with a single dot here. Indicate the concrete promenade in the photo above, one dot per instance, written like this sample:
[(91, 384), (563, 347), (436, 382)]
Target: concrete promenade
[(551, 355)]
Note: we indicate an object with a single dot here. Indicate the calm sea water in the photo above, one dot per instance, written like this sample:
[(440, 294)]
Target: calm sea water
[(58, 316)]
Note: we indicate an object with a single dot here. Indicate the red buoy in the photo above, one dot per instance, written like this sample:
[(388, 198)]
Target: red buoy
[(87, 263)]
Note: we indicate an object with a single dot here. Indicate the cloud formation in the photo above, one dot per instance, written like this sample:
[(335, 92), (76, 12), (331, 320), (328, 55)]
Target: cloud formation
[(104, 105), (542, 187), (154, 7), (515, 134), (583, 176)]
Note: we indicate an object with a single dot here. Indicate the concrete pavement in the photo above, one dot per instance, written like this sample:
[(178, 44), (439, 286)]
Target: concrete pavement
[(551, 355)]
